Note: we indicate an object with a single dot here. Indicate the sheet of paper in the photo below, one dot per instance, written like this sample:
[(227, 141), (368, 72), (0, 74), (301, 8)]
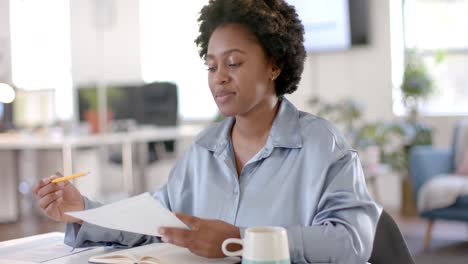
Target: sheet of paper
[(36, 251), (171, 254), (139, 214)]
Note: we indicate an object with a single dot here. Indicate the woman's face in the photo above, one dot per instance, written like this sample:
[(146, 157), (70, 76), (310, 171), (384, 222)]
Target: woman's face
[(239, 73)]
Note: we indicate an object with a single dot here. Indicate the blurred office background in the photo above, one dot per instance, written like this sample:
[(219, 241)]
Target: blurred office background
[(392, 74)]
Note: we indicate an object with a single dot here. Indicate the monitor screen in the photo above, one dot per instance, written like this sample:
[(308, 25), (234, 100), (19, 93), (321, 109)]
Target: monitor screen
[(153, 103), (333, 24), (34, 108), (120, 99)]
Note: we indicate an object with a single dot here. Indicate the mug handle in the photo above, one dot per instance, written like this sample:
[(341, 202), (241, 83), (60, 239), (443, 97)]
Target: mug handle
[(228, 253)]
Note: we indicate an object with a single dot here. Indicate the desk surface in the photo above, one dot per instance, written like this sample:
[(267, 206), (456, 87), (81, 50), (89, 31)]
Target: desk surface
[(78, 258), (9, 141), (166, 252)]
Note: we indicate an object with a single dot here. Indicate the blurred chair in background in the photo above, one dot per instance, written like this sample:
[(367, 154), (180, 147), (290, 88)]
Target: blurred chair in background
[(438, 182), (159, 106), (6, 117)]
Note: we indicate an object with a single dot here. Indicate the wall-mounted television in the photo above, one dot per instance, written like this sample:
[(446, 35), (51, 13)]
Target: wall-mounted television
[(333, 25)]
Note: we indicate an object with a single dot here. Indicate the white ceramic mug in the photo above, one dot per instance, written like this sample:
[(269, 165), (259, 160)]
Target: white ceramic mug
[(261, 245)]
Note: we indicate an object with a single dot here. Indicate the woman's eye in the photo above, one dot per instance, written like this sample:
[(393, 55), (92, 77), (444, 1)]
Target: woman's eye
[(211, 68), (234, 65)]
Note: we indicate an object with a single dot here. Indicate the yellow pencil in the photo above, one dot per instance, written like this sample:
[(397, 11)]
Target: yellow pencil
[(69, 177)]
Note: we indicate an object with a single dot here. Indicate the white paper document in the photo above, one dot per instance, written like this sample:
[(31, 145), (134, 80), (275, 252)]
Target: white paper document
[(140, 214), (41, 249)]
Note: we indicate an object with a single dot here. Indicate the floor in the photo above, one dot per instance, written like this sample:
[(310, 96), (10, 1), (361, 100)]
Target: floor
[(443, 233)]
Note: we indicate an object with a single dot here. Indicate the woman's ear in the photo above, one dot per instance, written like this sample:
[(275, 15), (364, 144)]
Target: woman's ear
[(275, 72)]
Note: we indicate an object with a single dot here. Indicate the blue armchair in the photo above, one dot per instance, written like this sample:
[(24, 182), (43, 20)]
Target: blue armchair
[(426, 162)]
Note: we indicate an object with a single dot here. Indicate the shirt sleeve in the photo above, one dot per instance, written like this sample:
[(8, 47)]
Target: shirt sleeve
[(88, 235), (344, 226)]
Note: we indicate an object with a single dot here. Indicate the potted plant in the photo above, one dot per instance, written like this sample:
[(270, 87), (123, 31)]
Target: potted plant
[(417, 83), (346, 114), (91, 114), (416, 87)]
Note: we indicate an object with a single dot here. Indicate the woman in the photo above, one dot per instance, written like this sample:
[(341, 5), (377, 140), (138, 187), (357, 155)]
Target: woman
[(266, 164)]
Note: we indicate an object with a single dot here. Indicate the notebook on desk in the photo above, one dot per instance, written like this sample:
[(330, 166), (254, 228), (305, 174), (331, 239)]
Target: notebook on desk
[(158, 253)]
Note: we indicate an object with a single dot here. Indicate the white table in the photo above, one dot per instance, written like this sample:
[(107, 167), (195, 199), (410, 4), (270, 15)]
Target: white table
[(16, 143), (27, 248), (31, 241)]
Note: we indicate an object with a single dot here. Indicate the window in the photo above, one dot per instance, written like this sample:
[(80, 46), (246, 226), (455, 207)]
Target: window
[(40, 47), (168, 53), (431, 27)]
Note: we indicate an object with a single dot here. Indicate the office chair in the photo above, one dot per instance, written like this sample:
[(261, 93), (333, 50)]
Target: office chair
[(159, 106), (389, 245), (6, 117)]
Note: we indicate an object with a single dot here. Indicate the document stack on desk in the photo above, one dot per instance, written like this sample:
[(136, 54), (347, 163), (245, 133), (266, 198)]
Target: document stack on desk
[(140, 214)]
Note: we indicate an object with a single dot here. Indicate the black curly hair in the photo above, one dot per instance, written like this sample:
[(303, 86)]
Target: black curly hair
[(276, 26)]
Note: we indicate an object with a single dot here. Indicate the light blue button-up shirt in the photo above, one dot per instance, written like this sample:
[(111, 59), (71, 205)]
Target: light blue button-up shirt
[(306, 178)]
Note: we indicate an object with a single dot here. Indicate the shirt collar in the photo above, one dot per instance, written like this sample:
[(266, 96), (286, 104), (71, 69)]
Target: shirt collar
[(285, 131)]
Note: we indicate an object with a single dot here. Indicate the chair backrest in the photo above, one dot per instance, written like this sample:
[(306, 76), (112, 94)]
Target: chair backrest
[(159, 104), (389, 245)]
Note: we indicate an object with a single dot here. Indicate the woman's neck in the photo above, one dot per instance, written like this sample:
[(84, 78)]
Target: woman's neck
[(256, 124)]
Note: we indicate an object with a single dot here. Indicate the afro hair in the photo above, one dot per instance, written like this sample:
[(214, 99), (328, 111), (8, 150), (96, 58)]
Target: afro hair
[(276, 26)]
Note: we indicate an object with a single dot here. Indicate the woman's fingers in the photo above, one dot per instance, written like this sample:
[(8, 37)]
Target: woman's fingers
[(36, 189), (50, 198), (53, 206), (49, 188)]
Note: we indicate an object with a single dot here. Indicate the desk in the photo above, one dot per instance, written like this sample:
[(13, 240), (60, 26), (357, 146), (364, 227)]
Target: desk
[(16, 143), (166, 252), (78, 258)]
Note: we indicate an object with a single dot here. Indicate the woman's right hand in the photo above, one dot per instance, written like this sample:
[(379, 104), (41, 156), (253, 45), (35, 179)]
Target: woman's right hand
[(57, 198)]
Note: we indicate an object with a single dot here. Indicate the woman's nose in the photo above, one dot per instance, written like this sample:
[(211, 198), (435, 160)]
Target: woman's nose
[(220, 76)]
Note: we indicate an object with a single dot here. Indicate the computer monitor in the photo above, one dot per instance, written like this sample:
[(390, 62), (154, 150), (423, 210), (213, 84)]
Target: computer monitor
[(120, 98), (34, 108), (153, 103), (150, 104)]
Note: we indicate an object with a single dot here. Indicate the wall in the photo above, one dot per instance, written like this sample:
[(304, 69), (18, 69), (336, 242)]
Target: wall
[(5, 56), (105, 41)]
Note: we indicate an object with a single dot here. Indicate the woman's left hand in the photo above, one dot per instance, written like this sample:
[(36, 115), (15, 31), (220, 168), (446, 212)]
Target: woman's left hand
[(204, 237)]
